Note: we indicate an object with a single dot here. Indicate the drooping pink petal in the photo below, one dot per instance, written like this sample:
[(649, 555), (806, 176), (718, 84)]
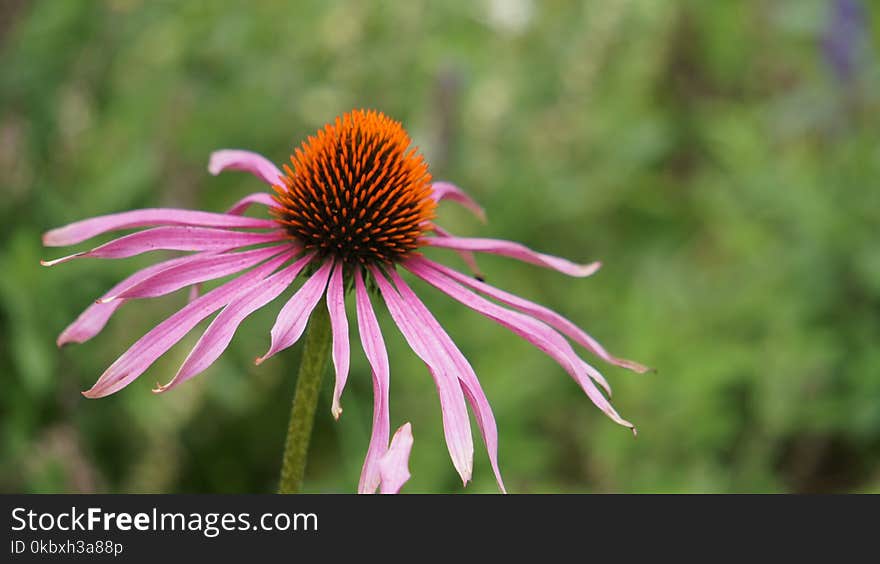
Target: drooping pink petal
[(208, 266), (532, 330), (74, 233), (174, 239), (456, 425), (243, 204), (235, 159), (374, 349), (596, 376), (155, 343), (219, 334), (339, 325), (537, 311), (394, 466), (292, 320), (89, 323), (468, 257), (470, 384), (447, 191), (513, 250), (95, 317)]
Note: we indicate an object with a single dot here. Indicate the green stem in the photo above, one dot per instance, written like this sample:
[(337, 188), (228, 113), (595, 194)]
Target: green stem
[(314, 362)]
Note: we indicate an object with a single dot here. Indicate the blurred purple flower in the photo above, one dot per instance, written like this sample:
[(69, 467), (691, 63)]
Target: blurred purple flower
[(843, 38)]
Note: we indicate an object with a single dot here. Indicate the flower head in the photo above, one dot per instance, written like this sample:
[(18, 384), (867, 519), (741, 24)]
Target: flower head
[(357, 191), (354, 206)]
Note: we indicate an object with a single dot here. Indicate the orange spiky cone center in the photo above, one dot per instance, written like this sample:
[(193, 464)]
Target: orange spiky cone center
[(357, 191)]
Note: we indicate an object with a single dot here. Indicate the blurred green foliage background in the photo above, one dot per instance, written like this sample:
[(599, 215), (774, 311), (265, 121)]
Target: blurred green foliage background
[(721, 158)]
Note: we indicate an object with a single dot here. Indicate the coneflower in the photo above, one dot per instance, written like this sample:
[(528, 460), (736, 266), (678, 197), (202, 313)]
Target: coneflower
[(356, 203)]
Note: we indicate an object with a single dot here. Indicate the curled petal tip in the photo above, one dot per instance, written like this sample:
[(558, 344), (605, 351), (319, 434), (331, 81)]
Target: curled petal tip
[(466, 474), (634, 366), (336, 410), (591, 268), (106, 300), (273, 350), (261, 359), (635, 432), (92, 394), (445, 190), (214, 166), (60, 260), (235, 159), (394, 464)]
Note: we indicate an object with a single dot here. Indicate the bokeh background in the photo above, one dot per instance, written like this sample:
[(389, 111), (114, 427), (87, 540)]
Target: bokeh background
[(721, 158)]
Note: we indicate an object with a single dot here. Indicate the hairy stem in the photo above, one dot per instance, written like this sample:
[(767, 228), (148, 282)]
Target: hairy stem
[(315, 358)]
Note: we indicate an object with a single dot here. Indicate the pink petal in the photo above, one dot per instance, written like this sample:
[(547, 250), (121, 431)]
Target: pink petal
[(447, 191), (470, 384), (219, 334), (154, 344), (243, 204), (532, 330), (256, 164), (174, 239), (546, 315), (374, 349), (292, 320), (339, 324), (468, 257), (95, 317), (207, 266), (596, 376), (513, 250), (89, 323), (425, 343), (88, 228), (394, 466)]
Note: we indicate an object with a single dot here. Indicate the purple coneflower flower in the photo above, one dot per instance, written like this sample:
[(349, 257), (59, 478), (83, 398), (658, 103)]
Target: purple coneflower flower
[(356, 205)]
